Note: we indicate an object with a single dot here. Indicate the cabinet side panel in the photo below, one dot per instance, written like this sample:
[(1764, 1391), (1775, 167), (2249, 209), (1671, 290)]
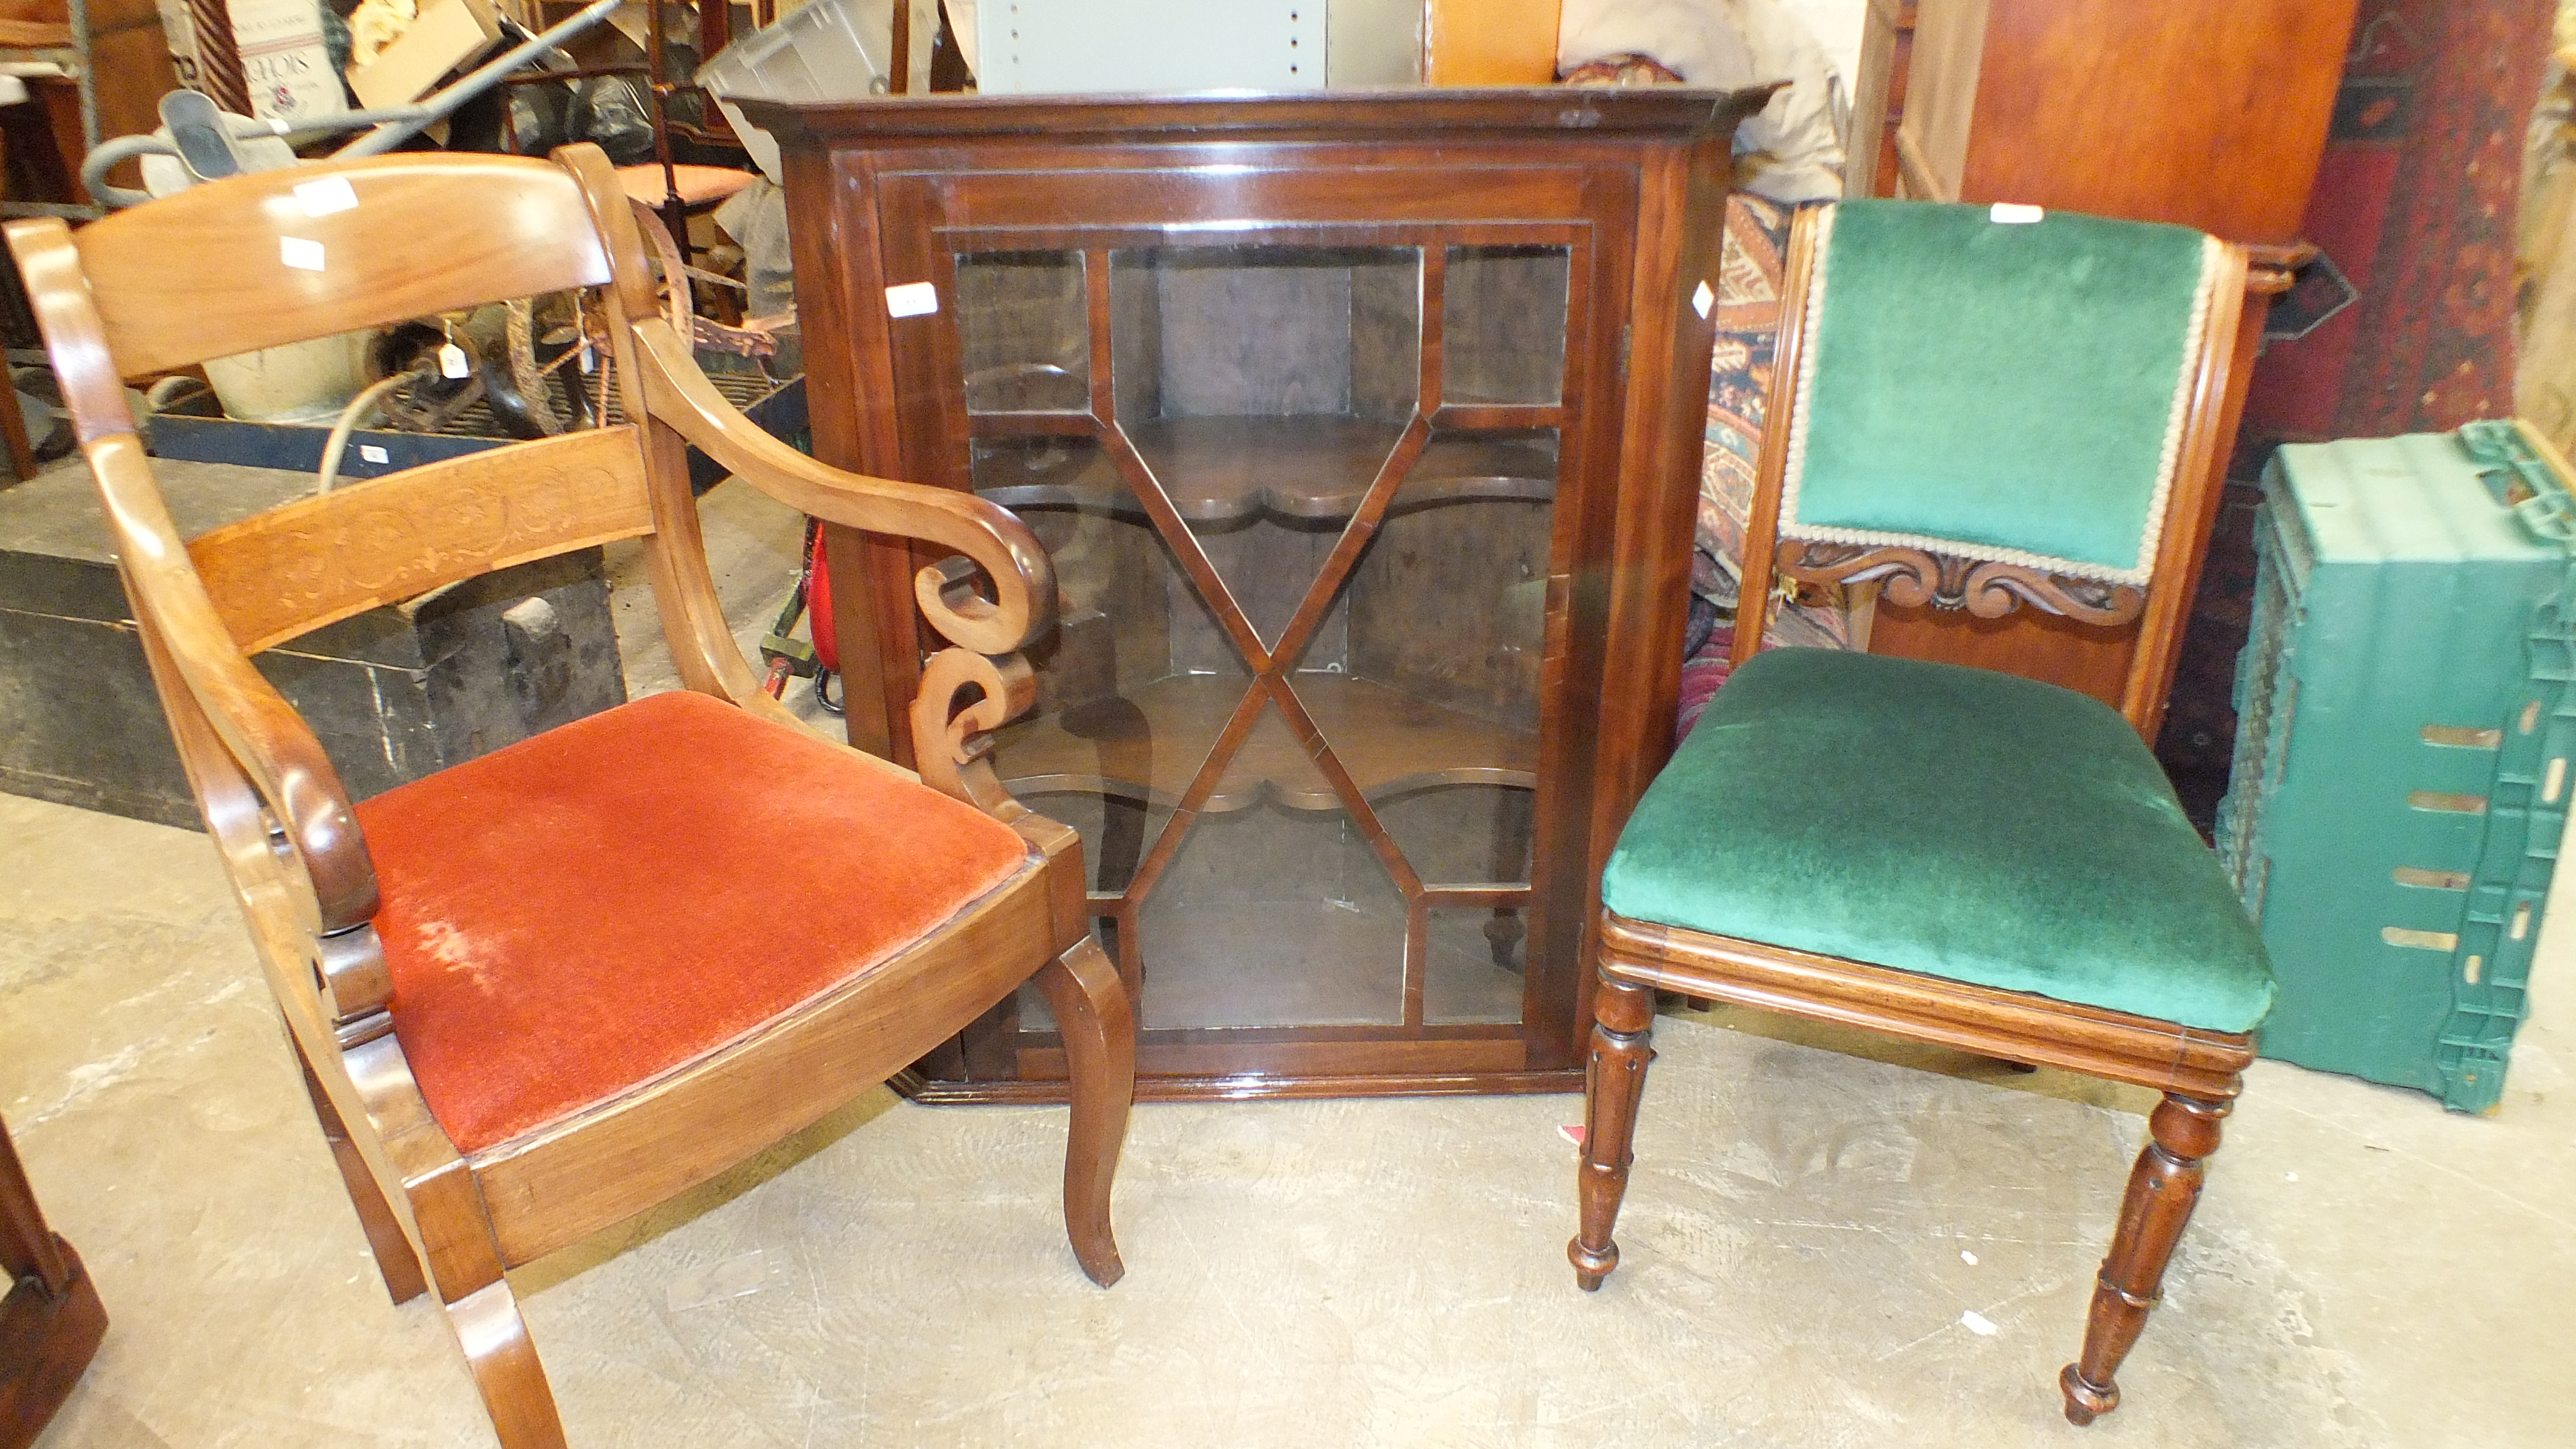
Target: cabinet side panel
[(2209, 113), (1680, 212), (831, 234)]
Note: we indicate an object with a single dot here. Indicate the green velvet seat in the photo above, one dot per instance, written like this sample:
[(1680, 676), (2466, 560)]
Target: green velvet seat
[(1947, 821)]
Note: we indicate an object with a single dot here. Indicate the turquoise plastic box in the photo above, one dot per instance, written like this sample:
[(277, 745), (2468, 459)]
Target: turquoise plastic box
[(2404, 724)]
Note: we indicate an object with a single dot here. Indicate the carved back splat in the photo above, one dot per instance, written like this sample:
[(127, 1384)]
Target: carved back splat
[(1988, 590)]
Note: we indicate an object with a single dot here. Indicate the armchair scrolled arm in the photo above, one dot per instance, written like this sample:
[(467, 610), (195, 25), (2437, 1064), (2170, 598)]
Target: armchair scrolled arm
[(1021, 604)]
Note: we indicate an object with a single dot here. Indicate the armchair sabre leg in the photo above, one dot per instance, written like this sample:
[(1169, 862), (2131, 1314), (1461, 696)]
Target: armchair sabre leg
[(1624, 1018), (1099, 1028), (2163, 1188), (515, 1392)]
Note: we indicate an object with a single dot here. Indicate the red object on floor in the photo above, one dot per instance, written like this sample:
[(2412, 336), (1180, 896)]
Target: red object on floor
[(583, 911), (818, 608)]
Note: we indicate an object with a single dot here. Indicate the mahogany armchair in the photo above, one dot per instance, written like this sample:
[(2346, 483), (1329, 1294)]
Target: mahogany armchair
[(543, 990), (1984, 413)]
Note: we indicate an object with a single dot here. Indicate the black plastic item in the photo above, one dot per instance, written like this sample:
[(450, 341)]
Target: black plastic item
[(685, 106), (526, 115), (611, 111), (1702, 622), (542, 116), (539, 118), (339, 44)]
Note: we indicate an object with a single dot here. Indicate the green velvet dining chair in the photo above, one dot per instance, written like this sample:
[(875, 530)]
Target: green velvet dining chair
[(1987, 410)]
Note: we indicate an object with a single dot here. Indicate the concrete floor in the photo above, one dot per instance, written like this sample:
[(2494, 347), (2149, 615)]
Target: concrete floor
[(1810, 1217)]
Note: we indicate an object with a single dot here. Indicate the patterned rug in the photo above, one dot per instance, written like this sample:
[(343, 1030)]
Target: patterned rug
[(1739, 388)]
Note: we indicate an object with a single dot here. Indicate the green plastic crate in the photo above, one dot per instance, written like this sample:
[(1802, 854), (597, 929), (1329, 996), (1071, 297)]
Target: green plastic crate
[(2405, 718)]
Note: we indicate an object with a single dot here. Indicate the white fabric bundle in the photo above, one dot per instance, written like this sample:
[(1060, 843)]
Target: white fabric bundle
[(1792, 150)]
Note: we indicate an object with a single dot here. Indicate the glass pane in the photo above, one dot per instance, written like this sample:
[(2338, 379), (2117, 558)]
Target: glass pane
[(1503, 324), (1474, 834), (1447, 614), (1449, 604), (1273, 915), (1023, 325), (1474, 974), (1265, 387), (1460, 836), (1118, 729)]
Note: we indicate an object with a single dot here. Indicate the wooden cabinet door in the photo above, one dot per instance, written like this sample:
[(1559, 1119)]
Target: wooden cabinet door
[(1317, 452)]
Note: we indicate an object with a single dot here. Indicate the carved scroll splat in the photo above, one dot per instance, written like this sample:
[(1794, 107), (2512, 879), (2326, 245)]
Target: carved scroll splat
[(357, 989), (1988, 590), (956, 596), (953, 735)]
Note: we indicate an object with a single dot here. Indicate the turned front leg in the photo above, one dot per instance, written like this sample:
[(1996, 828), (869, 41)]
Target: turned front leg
[(2163, 1188), (1624, 1018)]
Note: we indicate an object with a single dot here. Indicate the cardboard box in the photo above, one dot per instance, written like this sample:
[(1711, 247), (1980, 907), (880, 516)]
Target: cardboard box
[(448, 34), (285, 65)]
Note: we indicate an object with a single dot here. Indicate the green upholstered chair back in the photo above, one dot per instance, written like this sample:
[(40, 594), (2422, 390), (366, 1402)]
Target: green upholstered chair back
[(1994, 385)]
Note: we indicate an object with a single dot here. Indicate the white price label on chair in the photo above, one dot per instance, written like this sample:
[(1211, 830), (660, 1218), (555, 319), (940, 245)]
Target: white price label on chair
[(323, 197), (370, 453), (451, 361), (2014, 213), (302, 253), (912, 299)]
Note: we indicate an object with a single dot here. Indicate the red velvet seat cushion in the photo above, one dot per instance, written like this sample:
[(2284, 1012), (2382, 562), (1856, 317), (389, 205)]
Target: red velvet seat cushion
[(582, 911)]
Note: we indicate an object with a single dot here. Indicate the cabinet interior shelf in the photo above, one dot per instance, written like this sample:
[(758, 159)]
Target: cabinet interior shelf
[(1148, 744), (1223, 471)]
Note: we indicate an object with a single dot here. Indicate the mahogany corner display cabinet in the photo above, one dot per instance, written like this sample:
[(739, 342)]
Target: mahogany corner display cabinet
[(1364, 432)]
